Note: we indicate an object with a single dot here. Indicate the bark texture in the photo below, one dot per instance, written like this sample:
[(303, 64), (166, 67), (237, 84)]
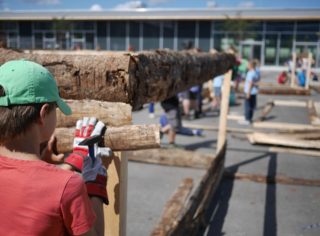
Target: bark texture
[(136, 78)]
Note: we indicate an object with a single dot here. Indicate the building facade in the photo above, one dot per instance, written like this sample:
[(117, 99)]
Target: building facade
[(270, 35)]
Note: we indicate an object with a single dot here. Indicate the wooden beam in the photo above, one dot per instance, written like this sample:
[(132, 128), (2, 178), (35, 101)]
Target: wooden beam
[(282, 126), (290, 103), (224, 108), (279, 179), (308, 72), (282, 140), (124, 138), (115, 214), (173, 209), (293, 69), (284, 90), (313, 115), (135, 78), (235, 117), (111, 113), (172, 157), (295, 151), (215, 128)]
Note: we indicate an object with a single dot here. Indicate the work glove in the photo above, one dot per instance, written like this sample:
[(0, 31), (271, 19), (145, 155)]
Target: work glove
[(85, 129)]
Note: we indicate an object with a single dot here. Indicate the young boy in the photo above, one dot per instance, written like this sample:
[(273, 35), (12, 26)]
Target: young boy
[(39, 198)]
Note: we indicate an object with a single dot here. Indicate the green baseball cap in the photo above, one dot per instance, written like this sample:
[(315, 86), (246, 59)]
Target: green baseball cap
[(26, 82)]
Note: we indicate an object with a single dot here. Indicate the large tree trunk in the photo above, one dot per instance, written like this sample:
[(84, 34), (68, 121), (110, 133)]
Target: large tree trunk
[(136, 78)]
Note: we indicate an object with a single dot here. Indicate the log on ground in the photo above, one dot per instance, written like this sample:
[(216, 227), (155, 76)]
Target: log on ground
[(284, 90), (172, 157), (111, 113), (136, 78), (124, 138)]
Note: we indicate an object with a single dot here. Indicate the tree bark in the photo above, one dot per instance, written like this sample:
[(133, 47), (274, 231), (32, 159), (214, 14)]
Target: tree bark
[(111, 113), (136, 78), (124, 138)]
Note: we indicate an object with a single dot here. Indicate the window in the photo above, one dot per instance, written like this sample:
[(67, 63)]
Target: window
[(102, 34), (83, 25), (168, 34), (280, 26), (43, 25), (285, 48), (25, 35), (134, 35), (151, 34), (118, 35), (307, 26), (186, 34), (271, 49), (204, 35)]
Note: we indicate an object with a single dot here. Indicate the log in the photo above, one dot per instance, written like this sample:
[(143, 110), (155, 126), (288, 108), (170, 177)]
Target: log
[(193, 218), (282, 140), (295, 151), (284, 90), (282, 126), (172, 157), (111, 113), (173, 209), (215, 128), (279, 179), (135, 78), (290, 103), (124, 138), (267, 108)]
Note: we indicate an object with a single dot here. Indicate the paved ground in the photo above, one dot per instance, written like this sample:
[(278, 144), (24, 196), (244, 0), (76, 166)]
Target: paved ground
[(240, 207)]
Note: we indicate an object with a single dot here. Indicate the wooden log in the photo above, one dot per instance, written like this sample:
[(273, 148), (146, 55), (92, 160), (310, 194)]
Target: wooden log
[(192, 218), (172, 157), (279, 179), (295, 151), (124, 138), (225, 100), (290, 103), (173, 209), (267, 108), (284, 90), (215, 128), (135, 78), (111, 113), (282, 126), (235, 117), (282, 140)]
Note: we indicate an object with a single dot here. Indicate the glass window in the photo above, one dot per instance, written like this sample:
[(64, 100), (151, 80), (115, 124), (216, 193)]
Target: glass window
[(90, 41), (308, 26), (9, 25), (280, 26), (218, 25), (118, 35), (307, 37), (13, 40), (25, 28), (102, 35), (186, 34), (285, 48), (168, 34), (43, 25), (38, 41), (204, 35), (270, 54), (219, 38), (134, 35), (151, 34), (83, 25)]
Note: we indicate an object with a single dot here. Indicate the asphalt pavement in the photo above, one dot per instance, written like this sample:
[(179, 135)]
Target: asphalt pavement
[(240, 208)]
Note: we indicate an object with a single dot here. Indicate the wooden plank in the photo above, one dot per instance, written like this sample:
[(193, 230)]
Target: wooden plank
[(282, 126), (173, 209), (313, 116), (282, 140), (111, 113), (284, 90), (293, 70), (308, 73), (215, 128), (124, 138), (290, 103), (115, 213), (235, 117), (224, 108), (295, 151), (279, 179), (172, 157), (134, 78)]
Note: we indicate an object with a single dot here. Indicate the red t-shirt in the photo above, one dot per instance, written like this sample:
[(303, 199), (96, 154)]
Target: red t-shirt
[(38, 198)]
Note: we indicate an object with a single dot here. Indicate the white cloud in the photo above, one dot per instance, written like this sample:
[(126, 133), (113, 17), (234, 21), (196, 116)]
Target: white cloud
[(246, 4), (211, 4), (157, 2), (43, 2), (96, 7), (131, 5)]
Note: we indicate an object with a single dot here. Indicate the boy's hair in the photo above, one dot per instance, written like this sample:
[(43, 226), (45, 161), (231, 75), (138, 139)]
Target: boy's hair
[(17, 119)]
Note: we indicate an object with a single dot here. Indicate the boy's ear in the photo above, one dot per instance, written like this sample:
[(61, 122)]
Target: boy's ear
[(43, 112)]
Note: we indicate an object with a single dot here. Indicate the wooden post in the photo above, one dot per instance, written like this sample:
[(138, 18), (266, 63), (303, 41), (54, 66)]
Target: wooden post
[(293, 69), (115, 214), (308, 75), (224, 111)]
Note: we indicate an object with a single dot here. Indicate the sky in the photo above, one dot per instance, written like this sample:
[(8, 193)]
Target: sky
[(96, 5)]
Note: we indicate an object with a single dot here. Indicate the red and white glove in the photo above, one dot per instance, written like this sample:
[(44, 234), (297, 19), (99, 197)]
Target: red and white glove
[(84, 129)]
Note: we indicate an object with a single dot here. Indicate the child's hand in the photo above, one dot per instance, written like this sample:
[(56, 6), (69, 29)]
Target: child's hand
[(49, 153)]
